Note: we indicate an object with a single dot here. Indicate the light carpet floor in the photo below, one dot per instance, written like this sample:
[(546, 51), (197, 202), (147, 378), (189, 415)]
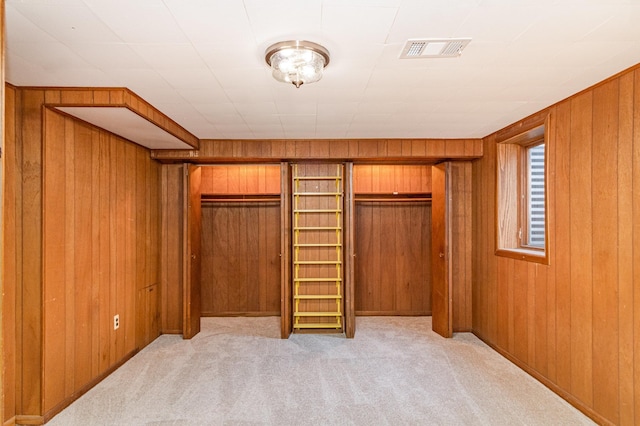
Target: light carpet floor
[(395, 371)]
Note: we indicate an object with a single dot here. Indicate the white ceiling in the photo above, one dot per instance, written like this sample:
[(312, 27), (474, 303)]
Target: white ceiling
[(201, 62)]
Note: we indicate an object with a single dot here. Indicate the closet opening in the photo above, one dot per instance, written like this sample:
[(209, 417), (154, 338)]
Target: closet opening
[(392, 239), (240, 240)]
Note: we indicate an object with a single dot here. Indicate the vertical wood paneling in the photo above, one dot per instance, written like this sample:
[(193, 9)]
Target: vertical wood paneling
[(171, 252), (11, 232), (392, 241), (90, 228), (581, 248), (29, 299), (562, 237), (625, 248), (574, 323), (241, 258), (385, 179), (55, 266), (635, 185), (461, 245), (605, 256)]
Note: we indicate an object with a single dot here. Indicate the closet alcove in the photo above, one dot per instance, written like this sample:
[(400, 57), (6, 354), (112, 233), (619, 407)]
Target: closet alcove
[(392, 239), (240, 240)]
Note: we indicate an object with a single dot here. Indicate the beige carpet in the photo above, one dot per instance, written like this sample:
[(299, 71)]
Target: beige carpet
[(395, 372)]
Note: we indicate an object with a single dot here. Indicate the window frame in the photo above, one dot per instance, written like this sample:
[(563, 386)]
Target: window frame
[(512, 192)]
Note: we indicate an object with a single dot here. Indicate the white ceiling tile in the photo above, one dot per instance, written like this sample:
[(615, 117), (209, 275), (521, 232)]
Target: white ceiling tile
[(108, 56), (73, 23), (147, 21), (231, 55), (215, 109), (279, 20), (204, 95), (256, 107), (432, 19), (206, 21), (243, 77), (188, 78), (51, 56), (21, 30), (166, 55), (272, 129), (374, 23)]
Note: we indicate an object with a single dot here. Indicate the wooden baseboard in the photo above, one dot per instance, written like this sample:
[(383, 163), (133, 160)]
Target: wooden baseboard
[(171, 331), (67, 401), (587, 411), (28, 420)]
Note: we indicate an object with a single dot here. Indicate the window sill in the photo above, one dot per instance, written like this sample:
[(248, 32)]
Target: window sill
[(528, 255)]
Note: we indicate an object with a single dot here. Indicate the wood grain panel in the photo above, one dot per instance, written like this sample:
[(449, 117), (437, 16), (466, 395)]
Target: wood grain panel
[(625, 248), (240, 258), (392, 243), (80, 344), (29, 299), (241, 179), (574, 324), (461, 245), (581, 248), (171, 249), (385, 179), (407, 150), (605, 256), (10, 259), (636, 246)]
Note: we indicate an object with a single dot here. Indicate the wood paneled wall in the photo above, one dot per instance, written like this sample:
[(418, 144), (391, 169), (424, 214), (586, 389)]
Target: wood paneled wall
[(393, 252), (461, 245), (171, 251), (241, 258), (10, 265), (83, 250), (325, 149), (386, 179), (241, 179), (574, 324)]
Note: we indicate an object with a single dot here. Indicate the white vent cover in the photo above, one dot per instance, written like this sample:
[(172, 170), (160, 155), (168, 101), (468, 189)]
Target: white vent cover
[(434, 48)]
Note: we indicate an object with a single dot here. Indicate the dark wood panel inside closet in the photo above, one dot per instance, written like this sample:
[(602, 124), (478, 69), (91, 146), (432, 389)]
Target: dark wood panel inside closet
[(240, 258), (392, 266)]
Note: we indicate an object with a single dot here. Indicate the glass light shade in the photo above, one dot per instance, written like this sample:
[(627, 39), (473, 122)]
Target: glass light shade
[(297, 62)]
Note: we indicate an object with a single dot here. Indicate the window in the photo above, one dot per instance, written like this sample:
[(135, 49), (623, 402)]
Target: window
[(521, 230)]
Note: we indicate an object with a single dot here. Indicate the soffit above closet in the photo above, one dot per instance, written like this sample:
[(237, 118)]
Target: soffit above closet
[(127, 124)]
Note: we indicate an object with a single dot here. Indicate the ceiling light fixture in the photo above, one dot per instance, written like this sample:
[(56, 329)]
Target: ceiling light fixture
[(297, 61)]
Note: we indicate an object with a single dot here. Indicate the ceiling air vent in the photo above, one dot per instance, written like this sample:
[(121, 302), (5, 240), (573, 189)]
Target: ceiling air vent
[(434, 48)]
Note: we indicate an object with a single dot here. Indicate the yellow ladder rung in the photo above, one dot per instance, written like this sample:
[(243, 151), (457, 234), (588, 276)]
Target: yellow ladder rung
[(317, 193), (317, 177), (316, 325), (319, 245), (317, 314), (318, 211), (317, 296), (314, 280), (317, 262), (316, 228)]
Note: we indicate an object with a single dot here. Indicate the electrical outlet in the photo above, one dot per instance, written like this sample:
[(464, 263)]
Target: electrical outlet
[(116, 322)]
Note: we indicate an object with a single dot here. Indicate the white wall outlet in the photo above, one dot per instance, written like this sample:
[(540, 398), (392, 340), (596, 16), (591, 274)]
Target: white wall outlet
[(116, 322)]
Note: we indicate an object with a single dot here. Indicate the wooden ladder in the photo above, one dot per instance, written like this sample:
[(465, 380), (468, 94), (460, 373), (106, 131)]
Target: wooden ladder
[(317, 243)]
